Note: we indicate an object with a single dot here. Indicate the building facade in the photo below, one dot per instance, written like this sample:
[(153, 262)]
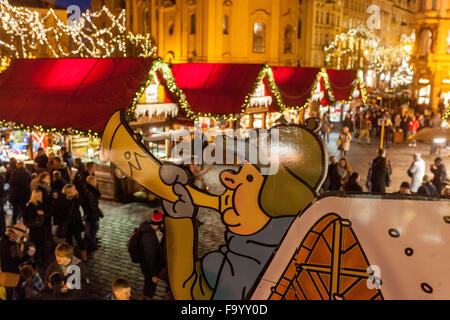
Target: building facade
[(432, 53), (283, 32)]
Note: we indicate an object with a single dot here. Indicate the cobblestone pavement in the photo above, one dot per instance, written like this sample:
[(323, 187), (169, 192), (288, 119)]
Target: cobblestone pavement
[(112, 259)]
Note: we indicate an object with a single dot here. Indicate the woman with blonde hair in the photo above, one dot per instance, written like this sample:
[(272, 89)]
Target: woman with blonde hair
[(33, 218)]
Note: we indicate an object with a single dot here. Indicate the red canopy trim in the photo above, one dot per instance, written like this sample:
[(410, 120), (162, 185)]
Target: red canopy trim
[(296, 85), (345, 82), (69, 96)]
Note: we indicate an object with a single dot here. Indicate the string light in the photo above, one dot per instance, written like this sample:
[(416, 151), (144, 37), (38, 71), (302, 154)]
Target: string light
[(345, 50), (24, 32)]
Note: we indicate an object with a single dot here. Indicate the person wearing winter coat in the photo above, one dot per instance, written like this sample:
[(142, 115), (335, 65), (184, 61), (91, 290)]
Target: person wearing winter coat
[(34, 218), (343, 142), (58, 278), (353, 183), (41, 159), (57, 184), (68, 217), (416, 171), (32, 285), (150, 242), (381, 171), (427, 188), (440, 174), (62, 167), (328, 184), (343, 170), (92, 212), (14, 235), (43, 184), (19, 190)]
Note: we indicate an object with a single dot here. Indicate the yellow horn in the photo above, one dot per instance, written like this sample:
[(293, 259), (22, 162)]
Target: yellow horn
[(120, 147)]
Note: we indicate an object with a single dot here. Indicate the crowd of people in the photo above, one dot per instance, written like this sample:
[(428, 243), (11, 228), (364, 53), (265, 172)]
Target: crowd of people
[(368, 123), (341, 177), (47, 205)]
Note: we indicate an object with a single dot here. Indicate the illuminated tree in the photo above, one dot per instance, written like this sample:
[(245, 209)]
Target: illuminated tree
[(24, 33)]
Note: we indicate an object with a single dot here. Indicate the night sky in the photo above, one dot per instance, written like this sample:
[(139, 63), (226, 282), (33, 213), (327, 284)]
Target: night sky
[(84, 4)]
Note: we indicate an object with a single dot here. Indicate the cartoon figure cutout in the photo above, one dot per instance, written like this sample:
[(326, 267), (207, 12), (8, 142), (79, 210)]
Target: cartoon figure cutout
[(258, 212)]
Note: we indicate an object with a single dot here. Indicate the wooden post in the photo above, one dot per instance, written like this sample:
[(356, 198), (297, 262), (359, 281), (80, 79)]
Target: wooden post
[(382, 137)]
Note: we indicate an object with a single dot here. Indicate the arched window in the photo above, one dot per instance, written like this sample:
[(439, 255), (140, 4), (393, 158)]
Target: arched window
[(259, 37), (171, 28), (193, 23), (288, 39), (225, 24)]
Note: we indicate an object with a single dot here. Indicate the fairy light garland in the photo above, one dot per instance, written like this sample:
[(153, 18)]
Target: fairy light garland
[(266, 72), (24, 32), (48, 130), (4, 63), (163, 68)]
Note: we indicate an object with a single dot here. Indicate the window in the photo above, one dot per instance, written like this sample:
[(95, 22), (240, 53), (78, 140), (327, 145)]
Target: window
[(328, 18), (434, 5), (259, 37), (288, 39), (171, 28), (299, 29), (225, 24), (193, 24)]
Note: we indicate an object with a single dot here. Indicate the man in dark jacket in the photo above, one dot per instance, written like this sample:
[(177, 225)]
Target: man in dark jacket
[(67, 277), (92, 212), (381, 171), (41, 159), (330, 181), (440, 174), (20, 191), (150, 244)]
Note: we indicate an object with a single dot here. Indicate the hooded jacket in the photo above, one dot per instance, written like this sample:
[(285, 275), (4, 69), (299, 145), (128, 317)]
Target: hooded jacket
[(64, 272)]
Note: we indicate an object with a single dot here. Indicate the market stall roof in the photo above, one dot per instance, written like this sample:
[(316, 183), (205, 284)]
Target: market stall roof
[(216, 88), (69, 93), (295, 84), (342, 83)]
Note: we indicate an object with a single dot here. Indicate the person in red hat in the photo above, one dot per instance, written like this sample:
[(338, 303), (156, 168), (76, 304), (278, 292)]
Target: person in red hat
[(151, 244)]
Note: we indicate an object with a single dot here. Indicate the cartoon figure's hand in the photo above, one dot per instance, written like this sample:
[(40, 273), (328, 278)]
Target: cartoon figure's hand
[(178, 178)]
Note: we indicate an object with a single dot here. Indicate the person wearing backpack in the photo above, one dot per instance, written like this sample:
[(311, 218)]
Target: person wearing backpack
[(150, 239)]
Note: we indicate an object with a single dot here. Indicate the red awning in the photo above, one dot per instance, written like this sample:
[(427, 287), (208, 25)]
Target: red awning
[(69, 93), (217, 88), (342, 83), (295, 84)]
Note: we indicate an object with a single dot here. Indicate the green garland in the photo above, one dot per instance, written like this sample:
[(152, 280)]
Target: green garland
[(159, 65)]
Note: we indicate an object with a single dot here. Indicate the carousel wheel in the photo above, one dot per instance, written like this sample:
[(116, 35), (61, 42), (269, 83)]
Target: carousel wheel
[(329, 264)]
